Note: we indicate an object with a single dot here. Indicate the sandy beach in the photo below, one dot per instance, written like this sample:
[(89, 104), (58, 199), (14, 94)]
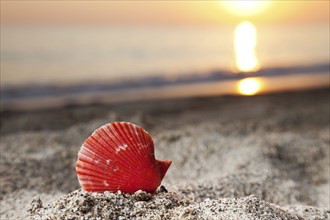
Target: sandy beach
[(260, 157)]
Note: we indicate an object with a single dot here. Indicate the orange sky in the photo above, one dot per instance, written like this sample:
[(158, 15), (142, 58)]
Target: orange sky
[(156, 12)]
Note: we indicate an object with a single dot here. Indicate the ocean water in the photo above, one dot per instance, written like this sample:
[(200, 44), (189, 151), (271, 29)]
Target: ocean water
[(44, 60), (71, 55)]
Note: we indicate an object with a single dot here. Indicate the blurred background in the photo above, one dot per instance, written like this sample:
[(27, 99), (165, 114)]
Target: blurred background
[(56, 53)]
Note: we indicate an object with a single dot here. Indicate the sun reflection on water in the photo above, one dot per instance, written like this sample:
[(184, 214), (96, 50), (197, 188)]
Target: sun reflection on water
[(245, 42), (249, 86)]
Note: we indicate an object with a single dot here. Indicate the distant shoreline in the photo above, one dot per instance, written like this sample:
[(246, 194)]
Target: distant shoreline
[(193, 85)]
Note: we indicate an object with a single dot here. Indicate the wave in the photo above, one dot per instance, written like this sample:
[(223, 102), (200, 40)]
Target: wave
[(34, 92)]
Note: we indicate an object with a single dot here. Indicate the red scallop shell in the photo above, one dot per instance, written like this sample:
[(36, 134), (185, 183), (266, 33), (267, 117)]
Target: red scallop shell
[(120, 156)]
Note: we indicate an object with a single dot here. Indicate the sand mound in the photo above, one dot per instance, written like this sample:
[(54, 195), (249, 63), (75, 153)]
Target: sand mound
[(164, 205)]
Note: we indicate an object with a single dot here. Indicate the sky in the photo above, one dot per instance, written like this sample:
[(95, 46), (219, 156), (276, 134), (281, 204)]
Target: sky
[(58, 12)]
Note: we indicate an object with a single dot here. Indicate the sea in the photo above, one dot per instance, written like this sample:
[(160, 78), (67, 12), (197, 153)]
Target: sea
[(51, 66)]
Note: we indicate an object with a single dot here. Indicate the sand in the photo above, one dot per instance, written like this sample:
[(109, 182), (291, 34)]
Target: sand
[(165, 205), (262, 157)]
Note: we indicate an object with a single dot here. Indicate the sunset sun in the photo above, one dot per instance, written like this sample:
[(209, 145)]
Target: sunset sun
[(245, 8)]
